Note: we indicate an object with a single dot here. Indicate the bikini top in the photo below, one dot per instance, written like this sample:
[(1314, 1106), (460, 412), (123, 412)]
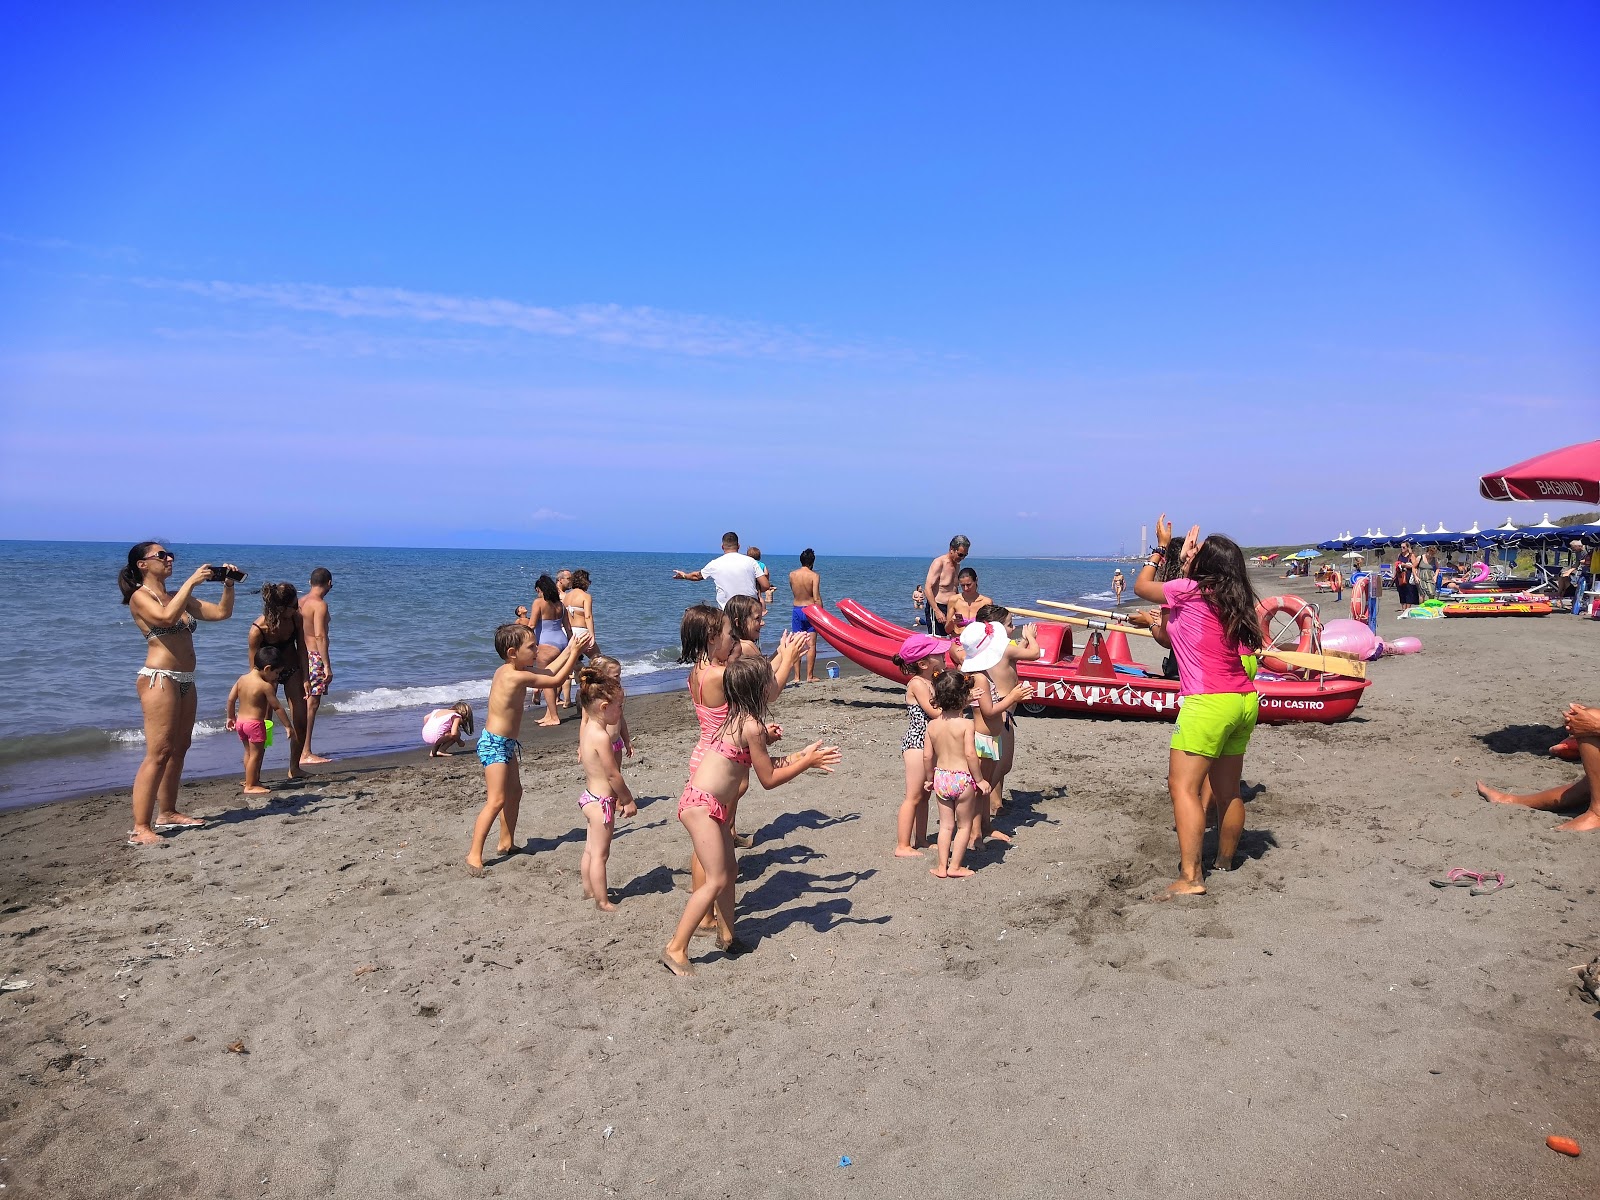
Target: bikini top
[(266, 641), (729, 751), (185, 625)]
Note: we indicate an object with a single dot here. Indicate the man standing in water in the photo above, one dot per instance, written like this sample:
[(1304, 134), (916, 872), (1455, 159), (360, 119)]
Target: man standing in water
[(734, 574), (319, 672), (806, 586), (939, 589)]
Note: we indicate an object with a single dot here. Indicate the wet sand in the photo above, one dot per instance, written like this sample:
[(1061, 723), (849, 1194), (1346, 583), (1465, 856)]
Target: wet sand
[(1322, 1023)]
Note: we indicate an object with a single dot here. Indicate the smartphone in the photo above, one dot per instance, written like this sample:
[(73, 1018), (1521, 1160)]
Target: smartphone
[(221, 574)]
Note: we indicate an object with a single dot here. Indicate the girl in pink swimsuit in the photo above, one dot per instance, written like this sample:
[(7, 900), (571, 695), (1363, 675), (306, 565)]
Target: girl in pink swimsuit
[(950, 760), (736, 747)]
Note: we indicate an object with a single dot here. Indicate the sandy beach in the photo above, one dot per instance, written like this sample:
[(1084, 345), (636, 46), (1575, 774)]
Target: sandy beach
[(1322, 1023)]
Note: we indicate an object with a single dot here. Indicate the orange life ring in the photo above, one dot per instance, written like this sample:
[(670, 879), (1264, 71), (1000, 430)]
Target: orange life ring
[(1305, 616), (1358, 598)]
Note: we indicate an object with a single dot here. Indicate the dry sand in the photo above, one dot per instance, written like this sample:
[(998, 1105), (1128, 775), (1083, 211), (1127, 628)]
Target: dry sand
[(1323, 1023)]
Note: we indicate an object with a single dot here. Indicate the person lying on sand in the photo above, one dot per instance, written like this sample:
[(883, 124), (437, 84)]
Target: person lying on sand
[(1584, 725)]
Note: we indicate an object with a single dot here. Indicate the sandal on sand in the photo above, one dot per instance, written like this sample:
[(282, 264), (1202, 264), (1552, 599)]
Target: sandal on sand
[(681, 970), (139, 845), (159, 825), (1491, 882), (1458, 877)]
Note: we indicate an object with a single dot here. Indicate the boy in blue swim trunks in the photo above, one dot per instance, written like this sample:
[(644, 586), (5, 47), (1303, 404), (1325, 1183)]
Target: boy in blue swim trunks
[(498, 747), (806, 587)]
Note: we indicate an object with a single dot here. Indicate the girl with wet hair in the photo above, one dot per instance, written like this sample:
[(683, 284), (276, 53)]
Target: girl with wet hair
[(1209, 618), (739, 745), (748, 617), (280, 625), (165, 684)]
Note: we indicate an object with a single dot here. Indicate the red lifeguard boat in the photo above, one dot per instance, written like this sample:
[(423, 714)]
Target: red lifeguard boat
[(1087, 683)]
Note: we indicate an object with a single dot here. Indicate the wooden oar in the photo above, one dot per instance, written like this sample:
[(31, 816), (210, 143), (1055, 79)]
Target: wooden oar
[(1078, 608), (1084, 622), (1328, 664)]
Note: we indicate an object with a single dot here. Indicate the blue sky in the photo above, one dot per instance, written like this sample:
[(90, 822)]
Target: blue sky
[(851, 276)]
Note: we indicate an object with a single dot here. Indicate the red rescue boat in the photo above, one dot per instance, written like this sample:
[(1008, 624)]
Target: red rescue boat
[(1088, 683)]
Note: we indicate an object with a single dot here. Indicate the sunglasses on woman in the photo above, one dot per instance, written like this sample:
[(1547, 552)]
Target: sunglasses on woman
[(163, 555)]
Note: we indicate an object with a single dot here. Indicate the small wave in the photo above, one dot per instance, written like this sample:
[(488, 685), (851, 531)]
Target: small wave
[(656, 660), (86, 741), (384, 698), (1101, 596)]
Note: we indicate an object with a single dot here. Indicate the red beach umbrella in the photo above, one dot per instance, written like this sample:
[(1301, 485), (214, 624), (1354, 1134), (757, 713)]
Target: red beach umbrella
[(1570, 475)]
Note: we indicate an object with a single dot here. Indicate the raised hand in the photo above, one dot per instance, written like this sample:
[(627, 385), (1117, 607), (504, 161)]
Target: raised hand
[(774, 733), (1191, 545), (202, 574), (1163, 531)]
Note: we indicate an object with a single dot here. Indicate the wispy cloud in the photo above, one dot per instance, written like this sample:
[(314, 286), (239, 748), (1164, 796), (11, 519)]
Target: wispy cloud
[(549, 514), (637, 328), (62, 245)]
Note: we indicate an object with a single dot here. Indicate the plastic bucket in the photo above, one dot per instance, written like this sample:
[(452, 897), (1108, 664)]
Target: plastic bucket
[(833, 670)]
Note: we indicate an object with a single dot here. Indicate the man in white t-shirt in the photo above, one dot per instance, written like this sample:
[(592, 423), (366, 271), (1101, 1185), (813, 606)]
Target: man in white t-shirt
[(734, 574)]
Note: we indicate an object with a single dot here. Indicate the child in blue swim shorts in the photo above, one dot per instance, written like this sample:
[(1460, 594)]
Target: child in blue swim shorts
[(498, 747)]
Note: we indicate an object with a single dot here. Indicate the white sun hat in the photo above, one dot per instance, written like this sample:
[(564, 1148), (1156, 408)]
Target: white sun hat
[(985, 643)]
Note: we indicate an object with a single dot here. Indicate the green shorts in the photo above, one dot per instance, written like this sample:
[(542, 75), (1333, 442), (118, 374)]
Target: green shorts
[(1217, 725), (987, 745)]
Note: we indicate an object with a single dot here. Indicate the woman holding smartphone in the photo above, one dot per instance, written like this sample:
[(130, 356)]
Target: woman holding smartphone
[(166, 681)]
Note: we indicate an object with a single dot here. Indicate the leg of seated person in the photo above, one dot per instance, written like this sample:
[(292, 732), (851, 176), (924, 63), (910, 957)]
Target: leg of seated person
[(1582, 794)]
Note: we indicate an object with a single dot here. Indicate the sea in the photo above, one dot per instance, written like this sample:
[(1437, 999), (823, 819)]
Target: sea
[(411, 630)]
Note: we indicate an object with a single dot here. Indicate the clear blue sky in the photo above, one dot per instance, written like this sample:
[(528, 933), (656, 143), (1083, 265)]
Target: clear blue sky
[(853, 276)]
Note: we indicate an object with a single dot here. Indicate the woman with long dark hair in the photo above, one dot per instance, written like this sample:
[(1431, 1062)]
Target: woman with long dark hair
[(166, 681), (281, 625), (1210, 618), (553, 631)]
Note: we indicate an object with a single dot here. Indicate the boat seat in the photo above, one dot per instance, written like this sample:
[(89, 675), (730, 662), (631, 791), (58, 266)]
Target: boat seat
[(1055, 641)]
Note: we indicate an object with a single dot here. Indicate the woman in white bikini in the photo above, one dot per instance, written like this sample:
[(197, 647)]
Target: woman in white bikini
[(580, 615), (166, 681)]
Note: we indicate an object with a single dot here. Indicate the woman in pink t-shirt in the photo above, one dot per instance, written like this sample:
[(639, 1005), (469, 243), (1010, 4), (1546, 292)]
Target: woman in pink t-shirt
[(1210, 619)]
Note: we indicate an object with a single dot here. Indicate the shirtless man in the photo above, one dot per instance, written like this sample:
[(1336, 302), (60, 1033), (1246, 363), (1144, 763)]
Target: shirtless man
[(964, 608), (319, 667), (939, 589), (806, 587)]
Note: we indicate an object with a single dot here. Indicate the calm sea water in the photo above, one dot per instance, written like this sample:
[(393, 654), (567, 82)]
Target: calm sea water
[(411, 630)]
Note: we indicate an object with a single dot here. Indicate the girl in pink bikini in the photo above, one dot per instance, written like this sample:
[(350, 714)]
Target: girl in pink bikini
[(950, 764), (736, 746), (604, 792)]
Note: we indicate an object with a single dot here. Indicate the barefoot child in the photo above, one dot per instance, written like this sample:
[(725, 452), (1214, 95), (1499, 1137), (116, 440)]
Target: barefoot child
[(498, 748), (921, 657), (617, 731), (950, 760), (1211, 621), (446, 729), (992, 655), (604, 791), (253, 699), (738, 744)]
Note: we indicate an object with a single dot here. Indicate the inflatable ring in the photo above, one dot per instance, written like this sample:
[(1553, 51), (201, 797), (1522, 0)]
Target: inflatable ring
[(1304, 615), (1358, 598)]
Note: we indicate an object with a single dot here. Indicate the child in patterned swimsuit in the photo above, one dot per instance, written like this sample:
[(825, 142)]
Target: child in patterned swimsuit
[(736, 746), (497, 745), (921, 657), (604, 791), (950, 758)]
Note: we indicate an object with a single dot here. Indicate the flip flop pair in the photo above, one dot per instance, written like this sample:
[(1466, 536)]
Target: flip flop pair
[(1481, 883)]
